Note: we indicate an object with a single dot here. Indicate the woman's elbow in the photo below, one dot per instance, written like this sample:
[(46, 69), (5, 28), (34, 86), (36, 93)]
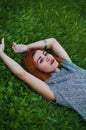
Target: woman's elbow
[(53, 40)]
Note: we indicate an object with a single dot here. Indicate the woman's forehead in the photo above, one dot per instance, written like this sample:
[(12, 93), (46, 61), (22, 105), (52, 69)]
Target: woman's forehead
[(37, 54)]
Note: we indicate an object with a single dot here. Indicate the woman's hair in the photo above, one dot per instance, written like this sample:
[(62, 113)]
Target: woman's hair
[(30, 67)]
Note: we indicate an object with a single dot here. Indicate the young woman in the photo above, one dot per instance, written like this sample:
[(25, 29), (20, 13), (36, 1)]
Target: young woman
[(57, 79)]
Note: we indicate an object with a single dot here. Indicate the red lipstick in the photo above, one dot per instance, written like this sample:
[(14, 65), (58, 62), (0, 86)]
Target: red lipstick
[(51, 61)]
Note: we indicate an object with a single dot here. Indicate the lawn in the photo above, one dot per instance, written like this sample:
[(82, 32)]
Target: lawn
[(27, 21)]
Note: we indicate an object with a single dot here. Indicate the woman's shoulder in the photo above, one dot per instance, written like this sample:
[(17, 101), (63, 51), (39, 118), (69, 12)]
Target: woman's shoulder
[(70, 65)]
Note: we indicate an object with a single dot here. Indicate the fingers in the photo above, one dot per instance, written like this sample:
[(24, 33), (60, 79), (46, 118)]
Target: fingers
[(14, 46), (2, 40), (2, 46)]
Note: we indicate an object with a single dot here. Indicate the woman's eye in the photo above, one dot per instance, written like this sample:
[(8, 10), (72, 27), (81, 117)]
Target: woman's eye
[(41, 60)]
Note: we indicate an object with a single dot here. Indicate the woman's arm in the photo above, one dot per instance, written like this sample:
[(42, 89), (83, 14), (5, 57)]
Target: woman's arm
[(38, 85), (51, 43), (39, 44), (59, 50)]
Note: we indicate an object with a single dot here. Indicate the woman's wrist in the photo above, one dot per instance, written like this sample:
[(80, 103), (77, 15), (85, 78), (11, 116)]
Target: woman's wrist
[(1, 53), (25, 48)]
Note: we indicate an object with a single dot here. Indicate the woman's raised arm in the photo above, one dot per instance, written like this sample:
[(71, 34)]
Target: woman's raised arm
[(39, 44), (38, 85), (50, 43), (59, 50)]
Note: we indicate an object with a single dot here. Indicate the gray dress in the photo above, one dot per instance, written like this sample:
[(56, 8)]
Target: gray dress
[(69, 87)]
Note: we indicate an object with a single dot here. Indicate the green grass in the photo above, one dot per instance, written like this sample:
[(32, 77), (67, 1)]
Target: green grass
[(28, 21)]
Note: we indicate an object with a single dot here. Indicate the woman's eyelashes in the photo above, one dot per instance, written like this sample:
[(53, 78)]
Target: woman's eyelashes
[(42, 59)]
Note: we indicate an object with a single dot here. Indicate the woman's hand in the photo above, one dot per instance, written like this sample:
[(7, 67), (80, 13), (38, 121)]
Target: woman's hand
[(2, 46), (17, 48)]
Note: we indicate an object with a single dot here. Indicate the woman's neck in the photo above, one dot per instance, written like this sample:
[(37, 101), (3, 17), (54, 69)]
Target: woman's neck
[(58, 68)]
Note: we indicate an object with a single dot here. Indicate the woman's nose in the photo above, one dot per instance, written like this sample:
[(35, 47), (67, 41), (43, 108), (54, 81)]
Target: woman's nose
[(47, 58)]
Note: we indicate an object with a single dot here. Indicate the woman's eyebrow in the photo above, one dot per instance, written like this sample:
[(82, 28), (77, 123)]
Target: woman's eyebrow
[(40, 57), (44, 52)]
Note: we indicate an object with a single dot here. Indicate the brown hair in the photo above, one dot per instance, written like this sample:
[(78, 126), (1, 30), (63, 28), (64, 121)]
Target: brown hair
[(30, 67)]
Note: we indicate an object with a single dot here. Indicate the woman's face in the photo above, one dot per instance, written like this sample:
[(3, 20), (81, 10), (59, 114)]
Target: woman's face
[(45, 62)]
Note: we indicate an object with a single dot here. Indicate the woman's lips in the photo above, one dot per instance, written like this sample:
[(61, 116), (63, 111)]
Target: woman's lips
[(51, 61)]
